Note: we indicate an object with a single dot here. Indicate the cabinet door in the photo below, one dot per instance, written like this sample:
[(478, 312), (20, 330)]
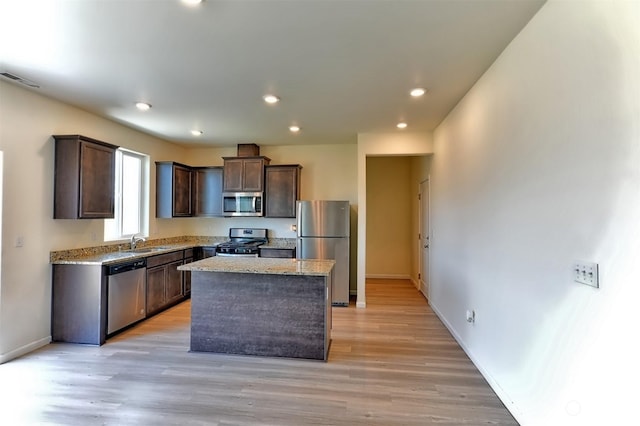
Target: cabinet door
[(173, 285), (208, 191), (253, 176), (278, 253), (155, 289), (182, 204), (186, 279), (97, 173), (84, 178), (282, 189), (233, 171)]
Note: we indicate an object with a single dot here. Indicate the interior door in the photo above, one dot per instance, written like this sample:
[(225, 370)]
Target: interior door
[(424, 238)]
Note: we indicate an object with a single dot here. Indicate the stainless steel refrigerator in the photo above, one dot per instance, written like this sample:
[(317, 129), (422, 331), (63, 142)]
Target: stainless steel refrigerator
[(323, 233)]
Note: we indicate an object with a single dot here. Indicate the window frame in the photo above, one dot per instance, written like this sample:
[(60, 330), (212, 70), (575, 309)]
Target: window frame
[(113, 228)]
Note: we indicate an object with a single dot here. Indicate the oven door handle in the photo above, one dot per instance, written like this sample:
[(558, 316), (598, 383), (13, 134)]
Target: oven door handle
[(236, 255)]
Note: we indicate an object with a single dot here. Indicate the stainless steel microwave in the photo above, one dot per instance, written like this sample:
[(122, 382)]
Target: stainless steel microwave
[(242, 203)]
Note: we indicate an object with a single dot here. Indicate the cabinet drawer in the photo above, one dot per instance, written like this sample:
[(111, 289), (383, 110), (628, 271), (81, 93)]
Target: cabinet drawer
[(188, 253), (275, 252), (161, 259)]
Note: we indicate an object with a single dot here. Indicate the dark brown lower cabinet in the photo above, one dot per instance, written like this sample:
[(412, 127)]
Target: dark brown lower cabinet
[(189, 256), (79, 304), (173, 289), (155, 289), (80, 292), (164, 281), (288, 253)]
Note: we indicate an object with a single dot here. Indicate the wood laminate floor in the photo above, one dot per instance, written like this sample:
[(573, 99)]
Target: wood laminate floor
[(393, 363)]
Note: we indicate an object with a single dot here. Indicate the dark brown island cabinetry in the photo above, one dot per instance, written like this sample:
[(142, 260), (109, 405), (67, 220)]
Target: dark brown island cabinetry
[(84, 178), (207, 191), (282, 189), (173, 190), (164, 281), (244, 174)]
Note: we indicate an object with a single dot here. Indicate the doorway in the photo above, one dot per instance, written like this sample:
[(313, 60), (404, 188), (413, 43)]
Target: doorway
[(394, 219)]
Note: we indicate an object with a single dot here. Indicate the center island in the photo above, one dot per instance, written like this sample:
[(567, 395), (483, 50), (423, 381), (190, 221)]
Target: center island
[(261, 306)]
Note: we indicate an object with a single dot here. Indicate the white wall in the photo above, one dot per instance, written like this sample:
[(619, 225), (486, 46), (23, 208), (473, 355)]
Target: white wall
[(1, 189), (539, 165), (27, 121)]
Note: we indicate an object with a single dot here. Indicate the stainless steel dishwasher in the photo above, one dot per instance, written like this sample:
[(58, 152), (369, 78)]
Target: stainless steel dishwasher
[(126, 294)]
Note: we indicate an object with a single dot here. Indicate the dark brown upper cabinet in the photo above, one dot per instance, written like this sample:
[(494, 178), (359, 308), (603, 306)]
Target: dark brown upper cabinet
[(282, 189), (173, 190), (207, 191), (84, 178), (244, 174)]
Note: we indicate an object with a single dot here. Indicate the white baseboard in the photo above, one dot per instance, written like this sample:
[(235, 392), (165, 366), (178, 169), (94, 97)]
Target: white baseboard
[(502, 394), (415, 283), (388, 276), (24, 349)]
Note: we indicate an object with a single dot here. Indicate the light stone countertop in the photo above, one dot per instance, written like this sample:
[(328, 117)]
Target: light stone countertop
[(118, 253), (261, 265), (122, 255), (280, 243)]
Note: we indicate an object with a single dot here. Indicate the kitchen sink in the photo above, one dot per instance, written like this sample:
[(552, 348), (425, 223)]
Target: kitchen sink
[(147, 249), (141, 250)]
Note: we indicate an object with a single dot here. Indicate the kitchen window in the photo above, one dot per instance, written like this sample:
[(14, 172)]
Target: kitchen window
[(131, 196)]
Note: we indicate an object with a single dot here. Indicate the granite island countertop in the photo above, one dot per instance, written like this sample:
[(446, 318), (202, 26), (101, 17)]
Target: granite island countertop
[(261, 265)]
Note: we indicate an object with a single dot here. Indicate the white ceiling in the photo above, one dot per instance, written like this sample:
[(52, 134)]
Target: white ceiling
[(340, 67)]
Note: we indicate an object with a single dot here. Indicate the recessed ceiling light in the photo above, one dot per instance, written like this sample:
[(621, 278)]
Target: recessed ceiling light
[(294, 129), (143, 106), (417, 92), (401, 125), (271, 99), (192, 2), (197, 132)]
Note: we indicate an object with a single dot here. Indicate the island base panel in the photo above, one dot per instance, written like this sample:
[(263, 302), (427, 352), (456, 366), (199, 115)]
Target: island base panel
[(259, 314)]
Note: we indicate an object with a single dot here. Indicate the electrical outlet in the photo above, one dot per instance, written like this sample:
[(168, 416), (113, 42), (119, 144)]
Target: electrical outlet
[(471, 316), (19, 241), (586, 273)]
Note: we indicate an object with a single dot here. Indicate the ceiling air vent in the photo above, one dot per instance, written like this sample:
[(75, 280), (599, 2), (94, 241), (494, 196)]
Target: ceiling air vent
[(19, 79)]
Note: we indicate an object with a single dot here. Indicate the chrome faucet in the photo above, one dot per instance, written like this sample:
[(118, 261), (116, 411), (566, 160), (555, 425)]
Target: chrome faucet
[(135, 240)]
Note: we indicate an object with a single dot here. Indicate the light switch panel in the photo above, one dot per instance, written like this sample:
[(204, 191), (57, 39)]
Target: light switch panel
[(586, 273)]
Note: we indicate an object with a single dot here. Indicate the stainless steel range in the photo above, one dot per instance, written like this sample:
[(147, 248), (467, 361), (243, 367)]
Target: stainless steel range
[(243, 242)]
